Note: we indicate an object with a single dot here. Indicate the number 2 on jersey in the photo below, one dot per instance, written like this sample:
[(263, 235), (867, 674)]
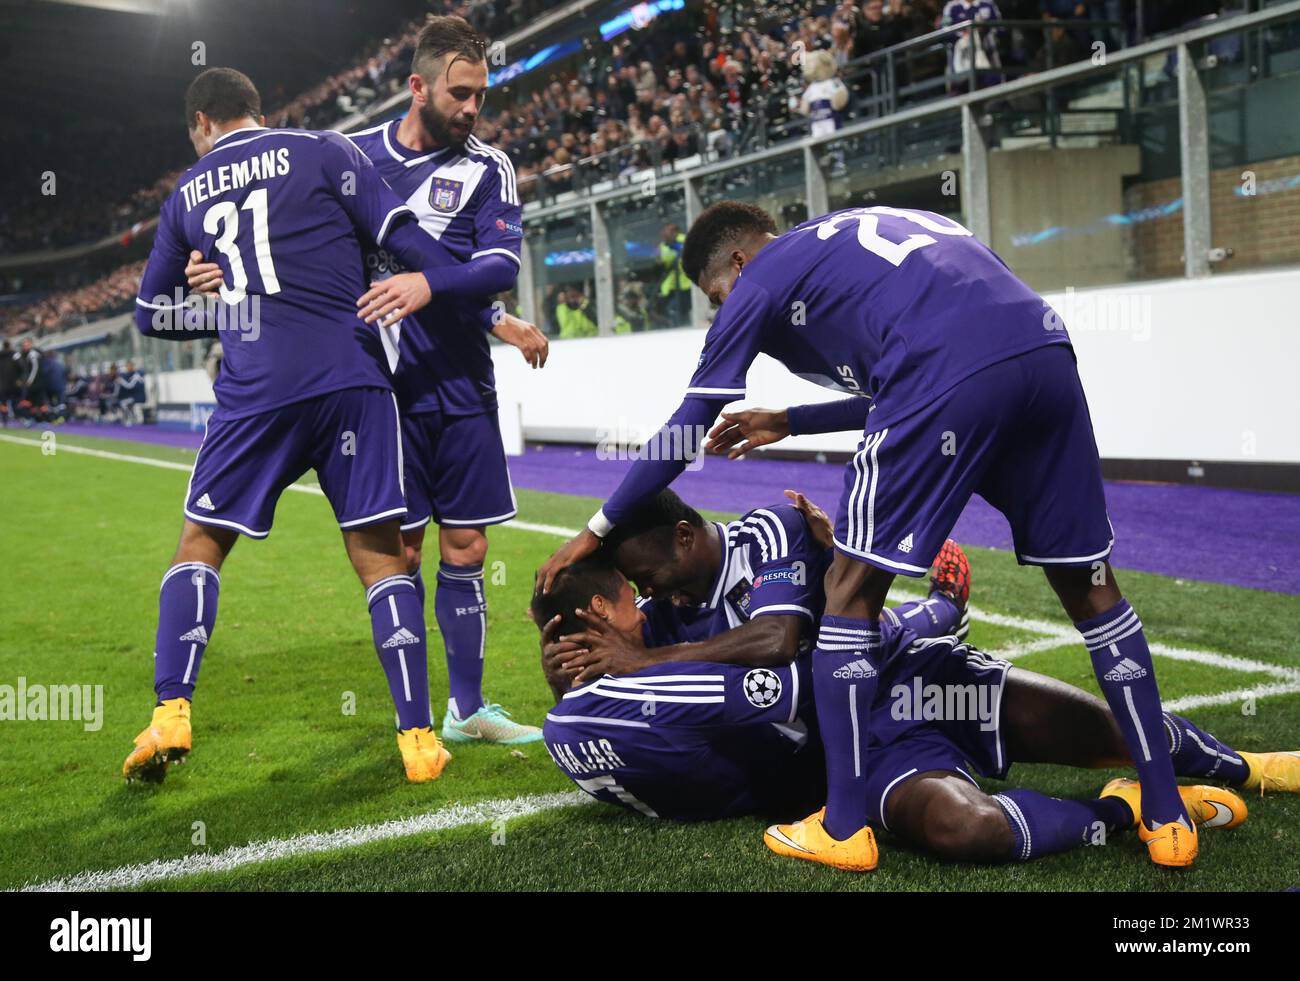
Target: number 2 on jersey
[(226, 215), (869, 236)]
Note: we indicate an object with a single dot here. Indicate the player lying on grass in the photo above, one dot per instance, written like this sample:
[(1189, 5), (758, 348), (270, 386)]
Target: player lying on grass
[(304, 386), (962, 380), (706, 720)]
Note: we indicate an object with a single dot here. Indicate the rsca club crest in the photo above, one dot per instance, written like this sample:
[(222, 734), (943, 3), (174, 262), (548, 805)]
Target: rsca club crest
[(762, 687), (444, 194)]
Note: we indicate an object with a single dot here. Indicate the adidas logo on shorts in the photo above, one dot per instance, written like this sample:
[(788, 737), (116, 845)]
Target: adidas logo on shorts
[(401, 639), (1125, 670), (205, 502), (906, 544), (198, 635), (855, 670)]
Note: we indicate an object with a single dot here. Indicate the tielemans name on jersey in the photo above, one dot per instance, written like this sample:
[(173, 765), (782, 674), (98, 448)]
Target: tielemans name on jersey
[(233, 176)]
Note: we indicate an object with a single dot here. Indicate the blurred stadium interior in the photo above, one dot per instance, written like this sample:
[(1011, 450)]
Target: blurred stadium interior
[(1136, 162), (1139, 163)]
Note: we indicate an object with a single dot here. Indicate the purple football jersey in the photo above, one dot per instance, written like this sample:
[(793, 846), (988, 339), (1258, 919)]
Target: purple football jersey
[(284, 213), (690, 741), (468, 200), (894, 304), (771, 565)]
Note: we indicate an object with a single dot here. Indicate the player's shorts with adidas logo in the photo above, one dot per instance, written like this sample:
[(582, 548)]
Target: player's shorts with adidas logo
[(350, 437), (1017, 433), (967, 740), (456, 470)]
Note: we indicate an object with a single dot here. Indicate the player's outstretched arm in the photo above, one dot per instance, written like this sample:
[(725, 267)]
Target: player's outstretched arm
[(739, 432), (646, 478), (764, 642)]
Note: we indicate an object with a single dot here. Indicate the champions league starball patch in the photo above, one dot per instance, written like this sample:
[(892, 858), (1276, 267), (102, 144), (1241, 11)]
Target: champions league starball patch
[(444, 194), (762, 687)]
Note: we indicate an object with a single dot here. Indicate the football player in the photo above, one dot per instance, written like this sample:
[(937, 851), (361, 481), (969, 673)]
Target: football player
[(463, 193), (303, 386), (962, 380), (676, 734)]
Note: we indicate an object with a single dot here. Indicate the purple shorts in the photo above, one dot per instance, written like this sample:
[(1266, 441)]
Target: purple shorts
[(1018, 434), (350, 438), (456, 472), (906, 738)]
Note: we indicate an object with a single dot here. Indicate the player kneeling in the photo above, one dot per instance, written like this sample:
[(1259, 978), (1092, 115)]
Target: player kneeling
[(673, 737)]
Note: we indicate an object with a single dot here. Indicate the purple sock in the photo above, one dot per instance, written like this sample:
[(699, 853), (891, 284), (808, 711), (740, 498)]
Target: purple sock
[(187, 611), (845, 673), (1046, 825), (397, 623), (1198, 754), (461, 607), (1122, 663), (418, 579), (934, 616)]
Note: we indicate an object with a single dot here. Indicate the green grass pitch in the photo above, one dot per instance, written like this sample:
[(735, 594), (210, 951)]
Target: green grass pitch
[(85, 540)]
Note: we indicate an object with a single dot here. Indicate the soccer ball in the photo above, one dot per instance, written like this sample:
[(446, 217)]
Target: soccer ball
[(762, 687)]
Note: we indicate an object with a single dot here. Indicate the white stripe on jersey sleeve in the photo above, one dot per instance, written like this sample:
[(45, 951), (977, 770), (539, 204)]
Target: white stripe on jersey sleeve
[(506, 252), (780, 531), (505, 169)]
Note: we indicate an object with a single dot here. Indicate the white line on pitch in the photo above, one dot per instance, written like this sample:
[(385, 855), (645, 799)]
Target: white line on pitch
[(1053, 631), (456, 816)]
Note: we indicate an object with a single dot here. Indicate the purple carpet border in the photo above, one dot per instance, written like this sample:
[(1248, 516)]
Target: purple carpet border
[(1235, 537)]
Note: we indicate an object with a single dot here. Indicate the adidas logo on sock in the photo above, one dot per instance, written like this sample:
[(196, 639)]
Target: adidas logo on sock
[(855, 670), (906, 544), (198, 635), (1125, 670), (401, 639), (205, 502)]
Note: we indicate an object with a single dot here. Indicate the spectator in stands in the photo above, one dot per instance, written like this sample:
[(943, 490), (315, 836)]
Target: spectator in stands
[(632, 313), (573, 314), (674, 286), (877, 30), (130, 395), (55, 376), (974, 50), (8, 381), (1060, 47), (31, 386)]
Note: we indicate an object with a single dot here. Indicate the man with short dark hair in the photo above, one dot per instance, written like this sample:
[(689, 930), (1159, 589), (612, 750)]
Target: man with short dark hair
[(303, 386), (962, 380), (721, 724), (464, 194)]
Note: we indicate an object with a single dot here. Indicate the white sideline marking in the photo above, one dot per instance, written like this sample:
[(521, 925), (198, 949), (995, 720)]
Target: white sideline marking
[(1189, 702), (456, 816), (1054, 636), (149, 461)]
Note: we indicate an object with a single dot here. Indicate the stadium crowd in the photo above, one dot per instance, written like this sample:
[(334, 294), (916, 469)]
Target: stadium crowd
[(46, 387), (717, 77), (110, 294)]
